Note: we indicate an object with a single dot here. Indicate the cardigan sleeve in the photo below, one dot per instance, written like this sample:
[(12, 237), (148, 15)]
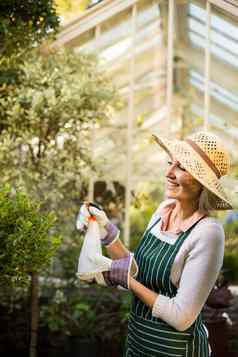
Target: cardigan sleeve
[(198, 277)]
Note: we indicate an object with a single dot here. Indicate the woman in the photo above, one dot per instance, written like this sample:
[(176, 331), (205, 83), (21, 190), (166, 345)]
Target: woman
[(179, 256)]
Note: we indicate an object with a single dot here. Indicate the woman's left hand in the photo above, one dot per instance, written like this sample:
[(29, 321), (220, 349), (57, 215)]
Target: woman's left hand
[(121, 271)]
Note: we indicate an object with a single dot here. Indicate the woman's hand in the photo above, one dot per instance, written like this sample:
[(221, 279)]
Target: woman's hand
[(98, 213), (121, 272), (108, 231), (142, 292)]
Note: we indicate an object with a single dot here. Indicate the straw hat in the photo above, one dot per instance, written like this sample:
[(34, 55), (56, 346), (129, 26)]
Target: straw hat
[(205, 158)]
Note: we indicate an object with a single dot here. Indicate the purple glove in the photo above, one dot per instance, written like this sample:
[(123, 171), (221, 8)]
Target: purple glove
[(109, 232), (112, 233), (120, 272)]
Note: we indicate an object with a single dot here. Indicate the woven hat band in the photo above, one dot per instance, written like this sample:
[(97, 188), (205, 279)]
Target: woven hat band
[(204, 157)]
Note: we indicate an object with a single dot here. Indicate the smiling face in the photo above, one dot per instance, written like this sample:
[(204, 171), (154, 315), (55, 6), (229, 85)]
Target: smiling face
[(180, 185)]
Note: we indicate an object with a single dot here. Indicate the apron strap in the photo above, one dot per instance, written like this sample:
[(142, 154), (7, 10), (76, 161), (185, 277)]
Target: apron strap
[(157, 221), (154, 224), (194, 224)]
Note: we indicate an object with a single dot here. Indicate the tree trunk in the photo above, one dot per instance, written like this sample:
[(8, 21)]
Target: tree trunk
[(34, 314)]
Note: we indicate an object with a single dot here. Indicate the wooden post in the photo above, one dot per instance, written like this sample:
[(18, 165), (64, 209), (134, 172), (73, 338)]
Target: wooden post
[(93, 132), (130, 130), (34, 292), (207, 68), (170, 55)]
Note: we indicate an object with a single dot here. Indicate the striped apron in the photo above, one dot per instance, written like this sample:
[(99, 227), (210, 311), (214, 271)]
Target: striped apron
[(149, 336)]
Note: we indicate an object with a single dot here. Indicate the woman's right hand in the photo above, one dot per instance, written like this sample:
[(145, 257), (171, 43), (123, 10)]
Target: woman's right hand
[(108, 231), (98, 213)]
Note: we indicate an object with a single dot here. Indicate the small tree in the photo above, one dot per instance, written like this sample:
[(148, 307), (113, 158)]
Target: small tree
[(23, 26), (24, 23), (28, 242), (45, 125)]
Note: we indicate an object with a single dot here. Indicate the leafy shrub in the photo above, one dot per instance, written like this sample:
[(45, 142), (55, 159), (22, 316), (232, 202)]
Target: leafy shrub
[(28, 240), (24, 23), (231, 265), (45, 124), (231, 230), (231, 260), (89, 312), (231, 251)]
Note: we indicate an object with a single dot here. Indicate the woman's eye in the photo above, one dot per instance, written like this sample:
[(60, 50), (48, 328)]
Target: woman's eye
[(178, 165), (182, 168)]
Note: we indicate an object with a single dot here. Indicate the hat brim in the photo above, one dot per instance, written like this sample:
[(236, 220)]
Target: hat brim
[(197, 167)]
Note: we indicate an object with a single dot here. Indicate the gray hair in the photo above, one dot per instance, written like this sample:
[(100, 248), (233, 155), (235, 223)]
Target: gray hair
[(207, 201)]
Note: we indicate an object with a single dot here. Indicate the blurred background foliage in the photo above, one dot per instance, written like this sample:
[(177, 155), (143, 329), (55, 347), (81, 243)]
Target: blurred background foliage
[(45, 131), (48, 104), (231, 244), (45, 123), (24, 24), (70, 8)]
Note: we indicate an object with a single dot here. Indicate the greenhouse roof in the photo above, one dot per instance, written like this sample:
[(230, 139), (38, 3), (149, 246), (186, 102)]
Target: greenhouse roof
[(175, 64)]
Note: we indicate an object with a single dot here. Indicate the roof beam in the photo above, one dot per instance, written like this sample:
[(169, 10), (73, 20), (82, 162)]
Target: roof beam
[(92, 19), (229, 6)]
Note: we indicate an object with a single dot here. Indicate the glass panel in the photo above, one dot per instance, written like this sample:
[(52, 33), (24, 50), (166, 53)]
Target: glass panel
[(224, 63), (116, 47), (150, 87), (221, 94), (224, 35)]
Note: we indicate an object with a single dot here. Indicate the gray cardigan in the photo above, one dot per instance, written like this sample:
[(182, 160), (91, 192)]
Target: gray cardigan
[(194, 271)]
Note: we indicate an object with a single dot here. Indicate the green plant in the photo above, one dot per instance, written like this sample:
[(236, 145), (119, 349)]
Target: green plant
[(23, 26), (28, 240), (67, 258), (231, 251), (231, 230), (90, 312), (231, 265), (45, 124), (24, 23)]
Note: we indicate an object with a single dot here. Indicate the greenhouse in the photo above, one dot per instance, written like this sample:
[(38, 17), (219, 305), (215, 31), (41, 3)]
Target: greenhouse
[(86, 90), (165, 58)]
